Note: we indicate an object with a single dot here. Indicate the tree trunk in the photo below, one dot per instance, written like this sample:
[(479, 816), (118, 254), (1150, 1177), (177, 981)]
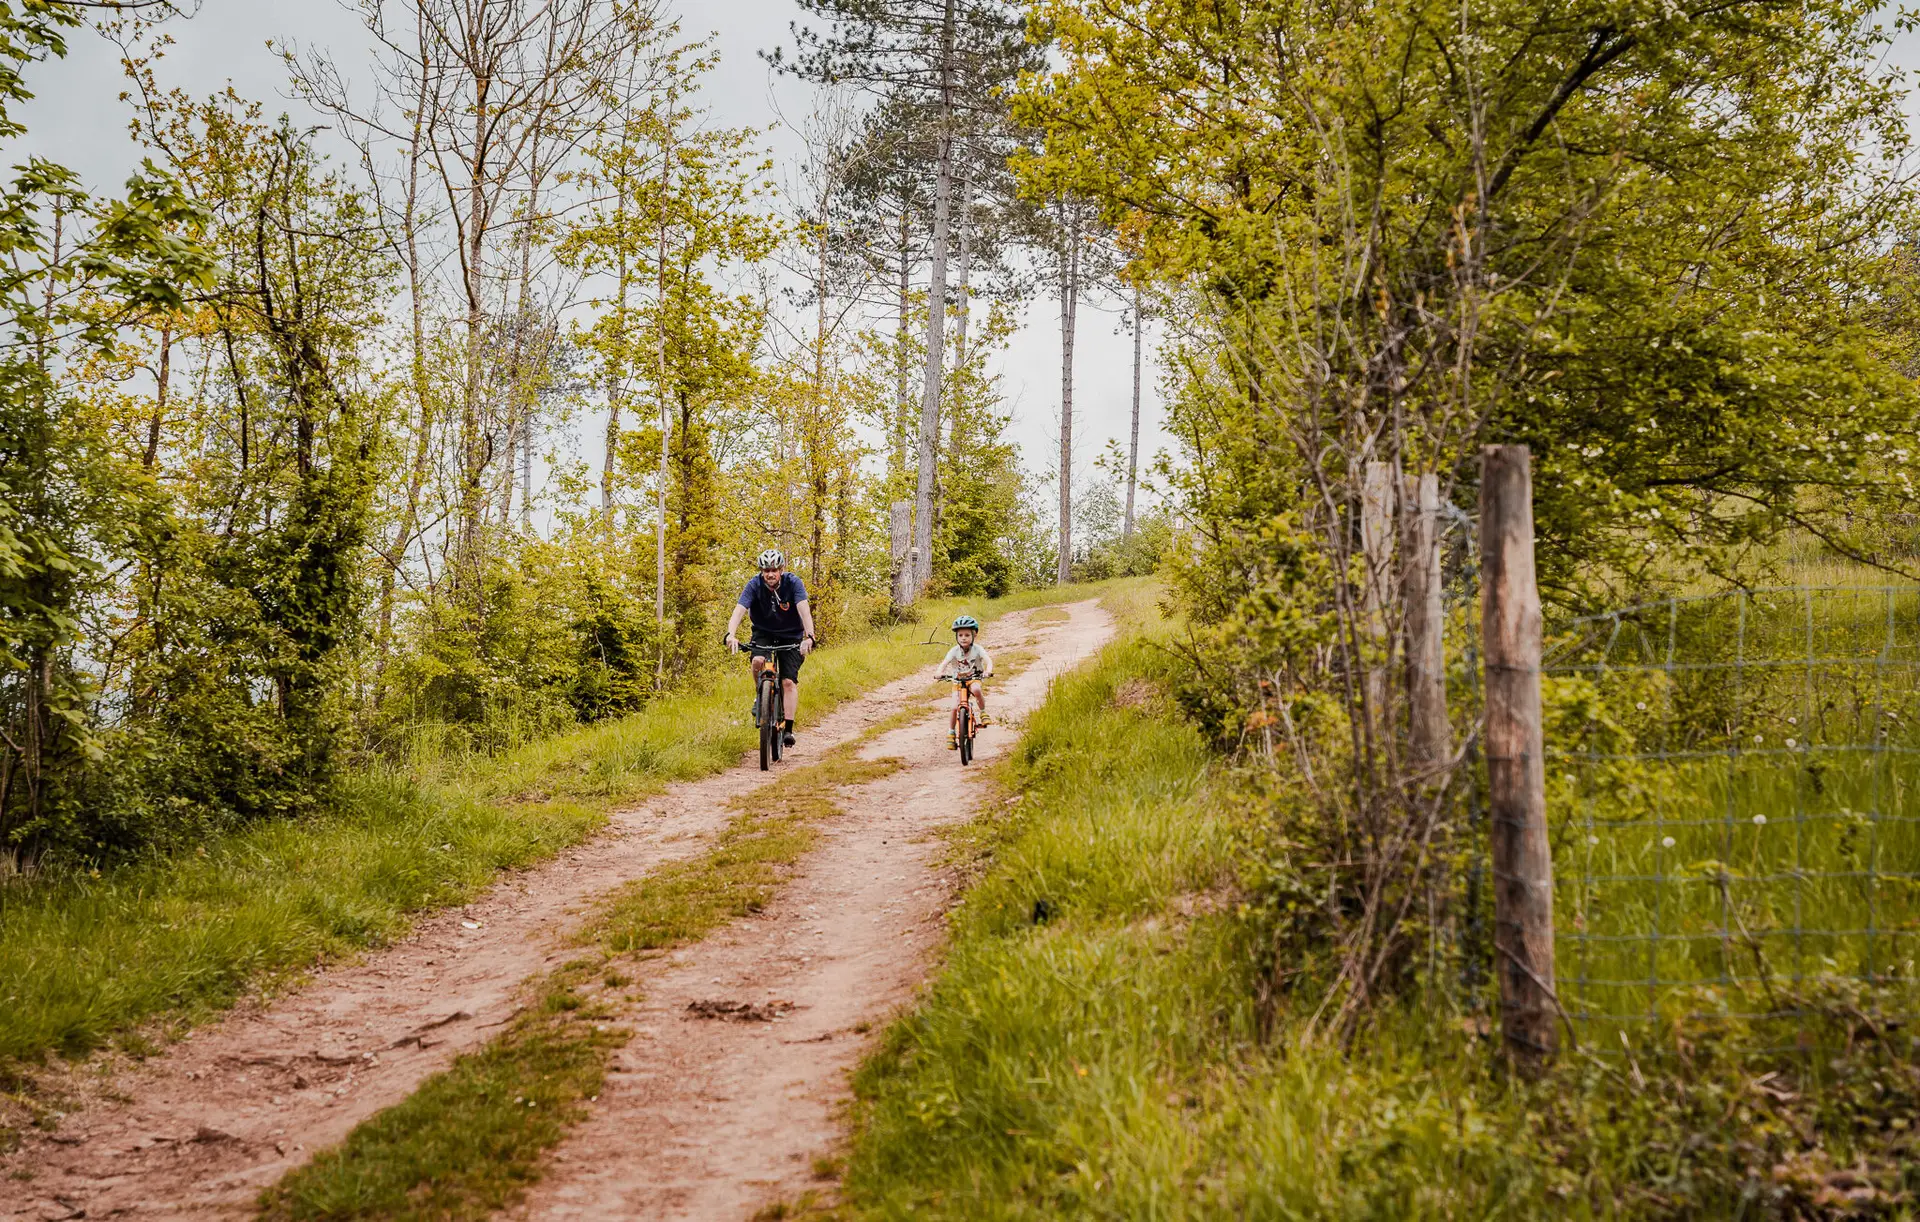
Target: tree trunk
[(1069, 310), (818, 440), (609, 464), (936, 307), (1133, 437), (666, 420), (473, 445), (519, 407), (403, 530), (161, 382), (902, 406), (1376, 544), (962, 301)]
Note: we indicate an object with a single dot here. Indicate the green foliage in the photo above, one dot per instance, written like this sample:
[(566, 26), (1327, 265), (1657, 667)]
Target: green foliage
[(565, 634), (986, 531), (1116, 554), (1560, 247), (1398, 232), (70, 507)]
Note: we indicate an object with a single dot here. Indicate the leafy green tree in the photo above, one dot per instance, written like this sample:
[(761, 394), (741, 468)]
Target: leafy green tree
[(1645, 240), (70, 507), (985, 523), (678, 211)]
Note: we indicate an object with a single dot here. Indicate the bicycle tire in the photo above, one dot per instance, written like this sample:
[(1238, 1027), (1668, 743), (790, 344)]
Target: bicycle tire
[(966, 735), (779, 718), (768, 735)]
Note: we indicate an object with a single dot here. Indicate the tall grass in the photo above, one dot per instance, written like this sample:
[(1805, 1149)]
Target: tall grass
[(88, 957), (1102, 1057), (1735, 793), (1091, 1048)]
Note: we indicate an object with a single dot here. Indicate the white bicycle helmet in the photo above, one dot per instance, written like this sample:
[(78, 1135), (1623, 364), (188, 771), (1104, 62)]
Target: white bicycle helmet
[(772, 559)]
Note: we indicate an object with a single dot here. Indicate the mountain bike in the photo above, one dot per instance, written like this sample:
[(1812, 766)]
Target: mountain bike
[(968, 719), (771, 700)]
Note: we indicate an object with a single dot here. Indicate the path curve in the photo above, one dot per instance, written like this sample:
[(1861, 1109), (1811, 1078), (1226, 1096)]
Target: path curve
[(198, 1131)]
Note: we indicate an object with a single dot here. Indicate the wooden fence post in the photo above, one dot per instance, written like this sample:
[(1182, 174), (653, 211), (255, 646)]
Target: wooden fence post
[(1429, 736), (1376, 541), (1516, 768), (902, 524)]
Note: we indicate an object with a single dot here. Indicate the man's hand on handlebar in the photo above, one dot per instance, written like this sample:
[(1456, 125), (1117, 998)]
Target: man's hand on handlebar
[(806, 646), (733, 643)]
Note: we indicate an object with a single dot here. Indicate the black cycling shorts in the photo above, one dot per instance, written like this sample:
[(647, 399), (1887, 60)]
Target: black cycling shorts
[(788, 660)]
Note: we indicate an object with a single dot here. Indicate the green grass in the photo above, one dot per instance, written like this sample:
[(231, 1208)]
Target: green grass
[(683, 901), (1735, 795), (87, 959), (1111, 1062), (469, 1139)]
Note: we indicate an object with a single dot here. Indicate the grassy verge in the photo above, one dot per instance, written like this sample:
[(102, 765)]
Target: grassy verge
[(91, 958), (1092, 1048)]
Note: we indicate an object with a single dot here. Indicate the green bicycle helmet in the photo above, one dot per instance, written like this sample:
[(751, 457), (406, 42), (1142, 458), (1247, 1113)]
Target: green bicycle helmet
[(966, 621)]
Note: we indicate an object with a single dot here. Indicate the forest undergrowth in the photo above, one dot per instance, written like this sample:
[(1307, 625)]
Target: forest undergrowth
[(1094, 1048), (134, 954)]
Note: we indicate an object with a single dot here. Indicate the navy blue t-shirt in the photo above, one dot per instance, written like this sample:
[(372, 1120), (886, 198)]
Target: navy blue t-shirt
[(775, 614)]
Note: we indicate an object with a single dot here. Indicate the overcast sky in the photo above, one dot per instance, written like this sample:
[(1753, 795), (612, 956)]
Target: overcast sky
[(78, 121)]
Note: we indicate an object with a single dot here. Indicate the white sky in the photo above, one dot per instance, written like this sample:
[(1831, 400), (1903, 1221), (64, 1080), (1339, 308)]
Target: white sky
[(78, 121)]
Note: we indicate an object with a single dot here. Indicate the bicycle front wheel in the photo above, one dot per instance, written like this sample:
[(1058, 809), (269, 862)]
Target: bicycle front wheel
[(775, 728), (966, 736), (769, 727)]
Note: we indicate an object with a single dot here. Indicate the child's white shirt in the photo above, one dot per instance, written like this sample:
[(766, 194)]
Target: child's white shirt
[(976, 657)]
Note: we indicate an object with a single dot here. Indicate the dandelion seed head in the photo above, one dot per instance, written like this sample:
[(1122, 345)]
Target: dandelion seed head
[(1759, 820), (1668, 842)]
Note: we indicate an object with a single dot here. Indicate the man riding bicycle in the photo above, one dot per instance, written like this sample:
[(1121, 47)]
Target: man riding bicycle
[(966, 664), (781, 616)]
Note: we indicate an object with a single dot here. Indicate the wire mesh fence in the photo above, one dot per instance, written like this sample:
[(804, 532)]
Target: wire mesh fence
[(1733, 785)]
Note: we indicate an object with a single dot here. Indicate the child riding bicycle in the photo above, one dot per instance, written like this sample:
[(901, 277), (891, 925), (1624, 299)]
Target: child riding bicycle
[(966, 664)]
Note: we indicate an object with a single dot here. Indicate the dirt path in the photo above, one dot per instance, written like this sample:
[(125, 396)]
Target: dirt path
[(198, 1131), (711, 1119)]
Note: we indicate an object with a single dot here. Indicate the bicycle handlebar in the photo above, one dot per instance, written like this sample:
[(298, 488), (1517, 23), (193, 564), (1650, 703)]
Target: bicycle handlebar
[(750, 647)]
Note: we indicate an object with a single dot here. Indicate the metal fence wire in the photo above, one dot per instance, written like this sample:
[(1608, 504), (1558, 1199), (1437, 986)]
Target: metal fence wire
[(1733, 790)]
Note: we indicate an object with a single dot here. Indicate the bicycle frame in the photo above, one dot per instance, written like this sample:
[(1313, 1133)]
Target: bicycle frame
[(770, 698), (967, 720)]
